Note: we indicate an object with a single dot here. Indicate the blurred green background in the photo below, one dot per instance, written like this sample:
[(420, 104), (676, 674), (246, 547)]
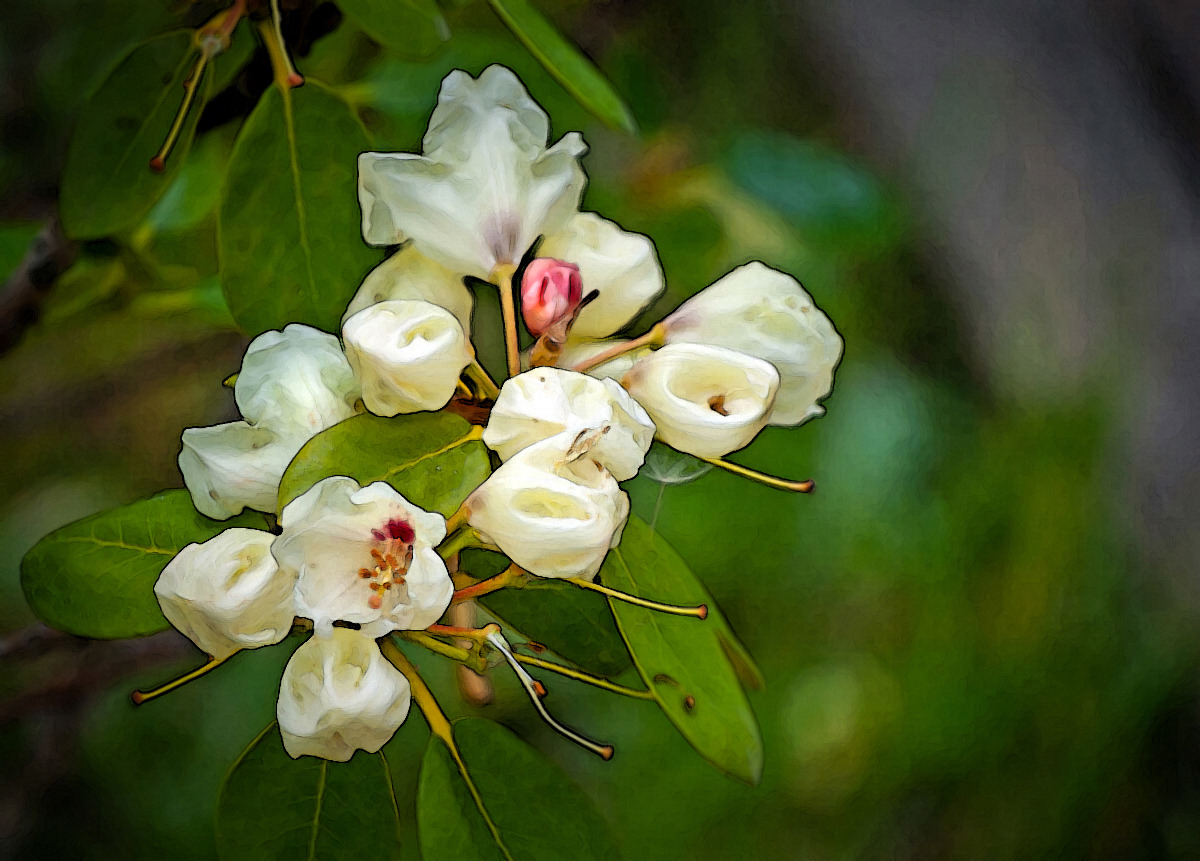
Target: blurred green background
[(967, 654)]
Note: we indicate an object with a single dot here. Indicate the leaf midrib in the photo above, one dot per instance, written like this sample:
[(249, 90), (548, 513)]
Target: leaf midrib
[(289, 123)]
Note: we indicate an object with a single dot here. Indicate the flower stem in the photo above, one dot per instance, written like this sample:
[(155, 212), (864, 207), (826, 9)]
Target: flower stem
[(535, 691), (806, 486), (190, 86), (700, 612), (508, 308), (463, 537), (508, 577), (286, 76), (446, 650), (221, 25), (586, 678), (140, 697), (440, 726), (487, 386), (478, 634), (653, 338), (457, 520)]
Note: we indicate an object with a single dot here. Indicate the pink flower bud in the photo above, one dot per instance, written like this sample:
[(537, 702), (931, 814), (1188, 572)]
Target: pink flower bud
[(550, 291)]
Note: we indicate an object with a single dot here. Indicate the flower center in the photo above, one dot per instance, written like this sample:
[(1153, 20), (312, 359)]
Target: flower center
[(392, 556)]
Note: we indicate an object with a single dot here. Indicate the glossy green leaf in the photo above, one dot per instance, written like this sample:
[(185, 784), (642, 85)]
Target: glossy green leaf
[(95, 577), (573, 623), (566, 62), (682, 659), (434, 459), (289, 232), (107, 183), (536, 813), (410, 27), (273, 806)]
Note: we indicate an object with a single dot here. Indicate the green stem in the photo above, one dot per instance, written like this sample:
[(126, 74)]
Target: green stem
[(586, 678), (440, 726)]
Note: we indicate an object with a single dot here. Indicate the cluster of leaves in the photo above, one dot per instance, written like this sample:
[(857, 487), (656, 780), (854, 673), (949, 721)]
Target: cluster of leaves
[(289, 251)]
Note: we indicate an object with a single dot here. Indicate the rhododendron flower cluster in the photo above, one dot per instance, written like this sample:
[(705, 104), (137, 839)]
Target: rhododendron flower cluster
[(490, 198)]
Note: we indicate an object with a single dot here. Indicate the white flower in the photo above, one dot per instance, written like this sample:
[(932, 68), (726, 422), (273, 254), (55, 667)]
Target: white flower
[(765, 313), (234, 466), (339, 695), (706, 401), (296, 380), (363, 555), (575, 408), (227, 593), (486, 185), (407, 355), (409, 274), (292, 385), (622, 266), (553, 516)]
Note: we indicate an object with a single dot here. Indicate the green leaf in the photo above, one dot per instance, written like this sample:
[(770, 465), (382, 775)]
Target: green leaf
[(434, 459), (107, 183), (536, 813), (411, 27), (571, 622), (273, 806), (578, 75), (682, 660), (289, 241), (95, 577)]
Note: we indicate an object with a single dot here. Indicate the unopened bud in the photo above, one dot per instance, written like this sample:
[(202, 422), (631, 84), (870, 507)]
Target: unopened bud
[(550, 290)]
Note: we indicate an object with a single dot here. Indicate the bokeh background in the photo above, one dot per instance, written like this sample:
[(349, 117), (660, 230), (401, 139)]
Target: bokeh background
[(979, 635)]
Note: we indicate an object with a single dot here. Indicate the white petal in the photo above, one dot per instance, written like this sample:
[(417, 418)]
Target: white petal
[(706, 401), (234, 466), (486, 186), (339, 695), (766, 313), (409, 274), (578, 351), (407, 355), (623, 266), (295, 381), (329, 533), (553, 518), (227, 593), (550, 402)]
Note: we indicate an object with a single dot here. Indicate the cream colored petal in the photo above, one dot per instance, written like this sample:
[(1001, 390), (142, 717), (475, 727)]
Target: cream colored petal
[(295, 381), (234, 466), (552, 517), (768, 314), (407, 355), (550, 402), (409, 274), (577, 351), (706, 401), (338, 695), (486, 186), (328, 535), (622, 266), (227, 593)]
